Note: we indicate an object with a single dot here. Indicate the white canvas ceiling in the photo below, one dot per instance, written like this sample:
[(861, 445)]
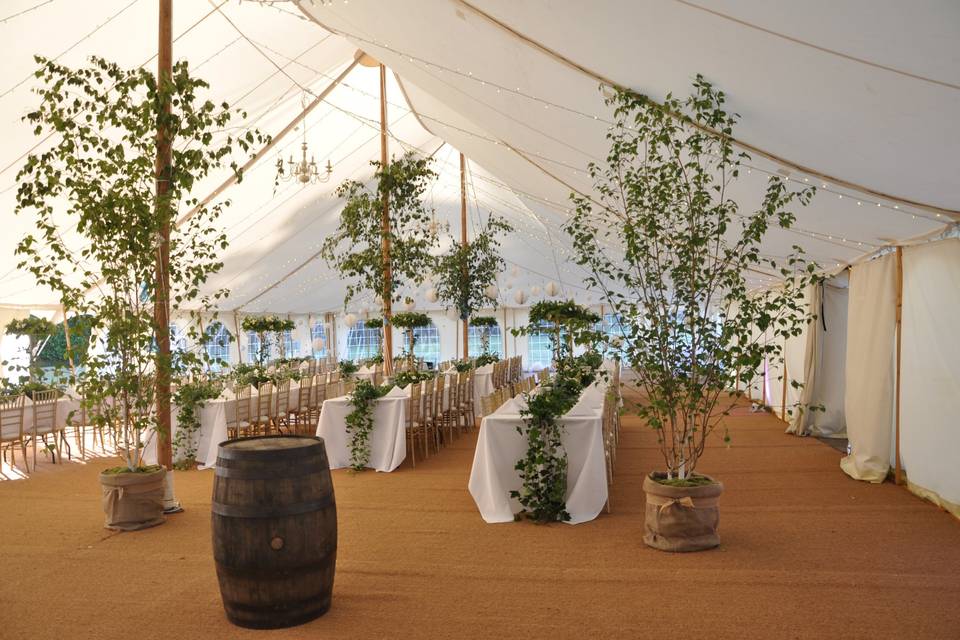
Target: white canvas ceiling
[(860, 97)]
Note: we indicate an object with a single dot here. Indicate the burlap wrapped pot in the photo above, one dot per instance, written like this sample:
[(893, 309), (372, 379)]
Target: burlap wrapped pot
[(132, 501), (681, 518)]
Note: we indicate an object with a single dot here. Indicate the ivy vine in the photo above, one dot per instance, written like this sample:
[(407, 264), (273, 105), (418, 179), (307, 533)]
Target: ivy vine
[(360, 421), (189, 399)]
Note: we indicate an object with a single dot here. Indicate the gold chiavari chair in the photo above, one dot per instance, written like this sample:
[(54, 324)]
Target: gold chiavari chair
[(317, 399), (427, 413), (300, 417), (11, 428), (415, 426), (281, 409), (261, 417), (238, 425), (45, 424), (451, 414), (468, 401), (463, 404), (435, 425)]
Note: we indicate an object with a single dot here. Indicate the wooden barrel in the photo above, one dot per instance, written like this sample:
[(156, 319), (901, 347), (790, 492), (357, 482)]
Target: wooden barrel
[(274, 530)]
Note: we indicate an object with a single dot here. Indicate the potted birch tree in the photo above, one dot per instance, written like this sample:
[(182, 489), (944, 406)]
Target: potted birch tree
[(668, 250), (99, 178)]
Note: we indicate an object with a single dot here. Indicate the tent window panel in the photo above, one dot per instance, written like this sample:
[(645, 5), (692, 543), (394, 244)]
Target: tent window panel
[(291, 347), (612, 327), (362, 342), (218, 345), (475, 346), (253, 346), (540, 348), (427, 343), (178, 339), (318, 333)]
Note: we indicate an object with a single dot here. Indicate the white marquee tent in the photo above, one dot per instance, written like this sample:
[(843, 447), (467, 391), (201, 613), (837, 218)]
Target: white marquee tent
[(858, 98)]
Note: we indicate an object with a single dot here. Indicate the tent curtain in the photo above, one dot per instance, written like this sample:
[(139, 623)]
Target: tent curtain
[(930, 372), (871, 326), (8, 344), (831, 360), (798, 425)]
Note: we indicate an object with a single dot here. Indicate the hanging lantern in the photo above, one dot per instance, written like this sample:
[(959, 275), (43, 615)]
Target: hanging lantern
[(350, 320), (509, 285), (409, 304), (319, 344), (520, 296), (514, 271), (431, 295), (535, 290), (491, 291), (552, 289)]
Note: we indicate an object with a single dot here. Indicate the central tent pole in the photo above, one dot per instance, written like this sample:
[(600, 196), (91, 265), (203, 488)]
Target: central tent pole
[(898, 467), (161, 309), (463, 241), (385, 233)]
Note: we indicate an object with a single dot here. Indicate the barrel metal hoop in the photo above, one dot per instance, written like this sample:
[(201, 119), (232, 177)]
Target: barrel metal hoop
[(275, 472), (269, 454), (256, 511)]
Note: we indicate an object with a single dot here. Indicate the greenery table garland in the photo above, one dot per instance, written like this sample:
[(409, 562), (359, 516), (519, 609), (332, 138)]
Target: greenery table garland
[(360, 421)]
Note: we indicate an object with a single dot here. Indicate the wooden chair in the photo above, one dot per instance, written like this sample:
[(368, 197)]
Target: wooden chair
[(464, 405), (238, 425), (415, 427), (451, 414), (281, 409), (11, 428), (435, 425), (261, 418), (45, 424), (317, 399), (427, 411), (300, 417)]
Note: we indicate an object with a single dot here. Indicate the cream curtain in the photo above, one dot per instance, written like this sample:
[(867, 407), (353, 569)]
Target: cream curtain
[(930, 372), (870, 360), (810, 341), (831, 360)]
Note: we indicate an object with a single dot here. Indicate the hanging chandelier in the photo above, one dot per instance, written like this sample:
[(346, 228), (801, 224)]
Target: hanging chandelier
[(302, 171)]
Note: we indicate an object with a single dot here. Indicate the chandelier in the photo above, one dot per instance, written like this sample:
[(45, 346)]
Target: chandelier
[(302, 171)]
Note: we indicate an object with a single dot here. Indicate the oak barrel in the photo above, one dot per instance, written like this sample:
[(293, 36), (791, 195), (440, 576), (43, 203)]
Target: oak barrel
[(274, 530)]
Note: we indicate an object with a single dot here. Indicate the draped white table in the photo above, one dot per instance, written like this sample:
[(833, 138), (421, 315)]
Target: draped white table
[(499, 446), (388, 439)]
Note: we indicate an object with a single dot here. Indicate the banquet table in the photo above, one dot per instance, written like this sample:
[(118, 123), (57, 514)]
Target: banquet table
[(500, 445), (388, 439)]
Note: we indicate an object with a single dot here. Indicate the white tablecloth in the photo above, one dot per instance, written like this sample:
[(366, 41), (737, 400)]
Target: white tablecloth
[(500, 446), (388, 440)]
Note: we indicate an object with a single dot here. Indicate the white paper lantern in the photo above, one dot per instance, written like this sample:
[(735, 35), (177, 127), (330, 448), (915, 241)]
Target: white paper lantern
[(520, 296), (534, 290), (319, 344), (409, 304), (552, 289), (491, 292), (514, 271), (431, 295), (350, 320), (509, 285)]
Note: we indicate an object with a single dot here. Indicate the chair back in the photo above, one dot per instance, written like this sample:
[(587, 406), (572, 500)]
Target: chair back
[(11, 418), (437, 399), (283, 398), (428, 399), (304, 393), (241, 408), (319, 392), (45, 411), (413, 406), (264, 400)]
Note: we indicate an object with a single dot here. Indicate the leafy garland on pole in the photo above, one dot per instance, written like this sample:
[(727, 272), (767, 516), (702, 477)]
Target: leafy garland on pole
[(98, 179), (355, 250), (465, 272), (543, 468)]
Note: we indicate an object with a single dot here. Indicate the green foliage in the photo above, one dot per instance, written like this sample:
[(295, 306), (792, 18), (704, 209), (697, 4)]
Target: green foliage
[(348, 368), (189, 398), (462, 366), (264, 325), (55, 352), (483, 321), (404, 378), (569, 322), (355, 249), (97, 180), (410, 320), (373, 323), (36, 330), (543, 469), (485, 358), (682, 247), (360, 421), (466, 270)]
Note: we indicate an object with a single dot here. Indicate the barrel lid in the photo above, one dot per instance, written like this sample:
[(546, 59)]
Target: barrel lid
[(270, 443)]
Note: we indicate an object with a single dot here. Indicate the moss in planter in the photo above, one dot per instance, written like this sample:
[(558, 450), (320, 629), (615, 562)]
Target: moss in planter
[(150, 468), (693, 481)]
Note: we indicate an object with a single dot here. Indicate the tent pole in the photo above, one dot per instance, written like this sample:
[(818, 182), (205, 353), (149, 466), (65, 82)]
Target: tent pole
[(504, 332), (236, 327), (385, 234), (898, 468), (783, 397), (161, 308), (66, 335), (463, 242)]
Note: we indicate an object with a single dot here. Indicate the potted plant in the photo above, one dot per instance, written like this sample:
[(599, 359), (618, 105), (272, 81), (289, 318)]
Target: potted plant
[(409, 321), (467, 270), (690, 323), (358, 249), (98, 180)]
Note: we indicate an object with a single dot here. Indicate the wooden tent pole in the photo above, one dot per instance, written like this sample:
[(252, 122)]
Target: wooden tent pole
[(161, 308), (385, 234), (898, 468), (463, 241), (504, 334), (236, 327), (66, 335)]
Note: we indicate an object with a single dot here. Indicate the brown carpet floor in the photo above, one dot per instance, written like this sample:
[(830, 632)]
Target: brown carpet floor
[(806, 553)]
